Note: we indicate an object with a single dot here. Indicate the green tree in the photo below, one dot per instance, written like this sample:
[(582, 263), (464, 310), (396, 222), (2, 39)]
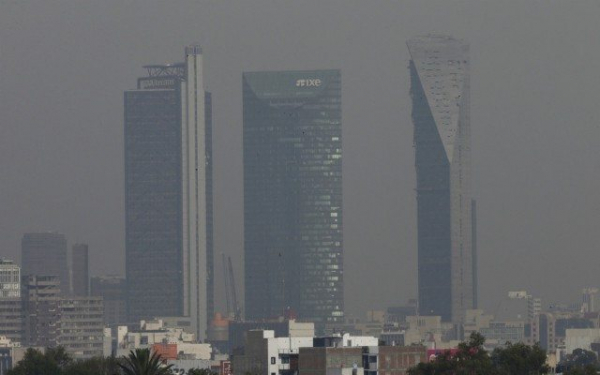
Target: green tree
[(94, 366), (34, 362), (470, 359), (586, 370), (144, 362), (520, 359), (200, 371), (442, 365), (579, 361), (59, 355)]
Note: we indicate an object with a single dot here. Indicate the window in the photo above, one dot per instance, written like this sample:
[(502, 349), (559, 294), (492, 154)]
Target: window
[(272, 360)]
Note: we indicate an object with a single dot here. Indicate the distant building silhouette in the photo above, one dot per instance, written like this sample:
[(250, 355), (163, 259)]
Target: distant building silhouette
[(168, 194), (112, 290), (440, 92), (45, 254), (80, 270), (293, 217)]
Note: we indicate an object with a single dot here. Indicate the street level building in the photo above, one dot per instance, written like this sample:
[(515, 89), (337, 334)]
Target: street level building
[(368, 360), (266, 354), (45, 254), (168, 194), (330, 360), (6, 354), (288, 328), (440, 92), (172, 342), (550, 329), (293, 216)]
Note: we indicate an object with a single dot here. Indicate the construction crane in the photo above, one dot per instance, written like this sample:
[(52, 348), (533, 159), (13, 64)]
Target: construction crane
[(237, 310), (226, 276), (233, 308)]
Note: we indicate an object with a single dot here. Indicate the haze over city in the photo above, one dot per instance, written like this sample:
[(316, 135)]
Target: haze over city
[(64, 66)]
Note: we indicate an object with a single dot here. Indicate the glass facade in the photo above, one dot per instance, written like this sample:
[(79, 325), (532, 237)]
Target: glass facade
[(440, 114), (293, 195), (169, 195), (210, 277), (80, 270), (153, 201)]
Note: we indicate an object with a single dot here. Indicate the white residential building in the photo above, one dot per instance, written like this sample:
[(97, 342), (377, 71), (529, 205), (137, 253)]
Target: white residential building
[(154, 332), (581, 338), (266, 354)]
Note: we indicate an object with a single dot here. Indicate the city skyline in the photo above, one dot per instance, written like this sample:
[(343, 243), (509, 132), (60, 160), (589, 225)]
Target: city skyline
[(534, 150), (294, 188)]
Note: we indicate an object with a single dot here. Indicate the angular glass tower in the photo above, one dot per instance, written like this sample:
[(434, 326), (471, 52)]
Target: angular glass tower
[(439, 70), (168, 194), (293, 195)]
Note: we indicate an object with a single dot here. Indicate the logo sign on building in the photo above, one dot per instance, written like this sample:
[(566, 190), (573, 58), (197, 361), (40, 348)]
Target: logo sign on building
[(309, 82)]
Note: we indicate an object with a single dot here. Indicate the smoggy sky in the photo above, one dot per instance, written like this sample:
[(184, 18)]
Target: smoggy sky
[(535, 124)]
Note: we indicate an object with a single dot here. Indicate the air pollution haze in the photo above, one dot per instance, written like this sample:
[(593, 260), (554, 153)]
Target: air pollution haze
[(535, 123)]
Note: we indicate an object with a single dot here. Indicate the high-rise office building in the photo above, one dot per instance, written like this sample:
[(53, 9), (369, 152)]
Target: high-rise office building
[(439, 70), (45, 254), (80, 275), (41, 299), (168, 194), (293, 195)]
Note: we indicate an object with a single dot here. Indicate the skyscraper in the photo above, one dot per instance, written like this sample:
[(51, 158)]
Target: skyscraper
[(168, 193), (45, 254), (80, 270), (293, 195), (41, 299), (439, 70)]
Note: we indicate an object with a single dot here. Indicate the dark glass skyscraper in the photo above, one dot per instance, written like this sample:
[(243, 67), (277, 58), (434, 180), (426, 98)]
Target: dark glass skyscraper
[(80, 270), (168, 194), (439, 70), (293, 195)]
